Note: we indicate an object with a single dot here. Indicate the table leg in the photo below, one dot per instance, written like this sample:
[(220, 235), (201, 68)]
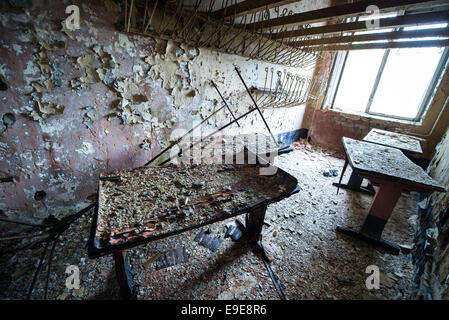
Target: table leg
[(380, 211), (124, 274), (354, 183), (254, 223)]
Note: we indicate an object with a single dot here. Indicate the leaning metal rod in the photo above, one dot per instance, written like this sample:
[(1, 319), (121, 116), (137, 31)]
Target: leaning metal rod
[(257, 107), (22, 236), (317, 100), (50, 258), (37, 271), (224, 101), (59, 228), (23, 223), (266, 262), (216, 131), (151, 17), (179, 139)]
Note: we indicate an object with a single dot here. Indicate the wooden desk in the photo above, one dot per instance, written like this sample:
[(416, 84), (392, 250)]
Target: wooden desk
[(394, 173), (409, 145)]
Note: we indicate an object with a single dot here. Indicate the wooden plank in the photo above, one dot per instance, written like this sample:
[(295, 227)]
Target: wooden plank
[(248, 6), (395, 35), (403, 142), (422, 18), (341, 11), (387, 163), (387, 45)]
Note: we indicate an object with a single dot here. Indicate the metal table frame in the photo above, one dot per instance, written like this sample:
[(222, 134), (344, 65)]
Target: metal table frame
[(254, 219)]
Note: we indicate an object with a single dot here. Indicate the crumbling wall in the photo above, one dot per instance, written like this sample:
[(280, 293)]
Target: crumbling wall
[(81, 102), (330, 126), (433, 280)]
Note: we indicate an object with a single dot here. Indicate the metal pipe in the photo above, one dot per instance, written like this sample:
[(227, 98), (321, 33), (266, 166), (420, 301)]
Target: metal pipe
[(179, 139), (224, 101), (216, 131), (255, 104)]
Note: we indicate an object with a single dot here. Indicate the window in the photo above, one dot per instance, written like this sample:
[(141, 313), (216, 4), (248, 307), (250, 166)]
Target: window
[(395, 83)]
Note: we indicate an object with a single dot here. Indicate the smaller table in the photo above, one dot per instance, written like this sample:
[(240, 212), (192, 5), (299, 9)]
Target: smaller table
[(394, 173), (408, 144)]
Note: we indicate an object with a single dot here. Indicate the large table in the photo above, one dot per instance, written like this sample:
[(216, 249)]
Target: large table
[(409, 145), (142, 205), (394, 173)]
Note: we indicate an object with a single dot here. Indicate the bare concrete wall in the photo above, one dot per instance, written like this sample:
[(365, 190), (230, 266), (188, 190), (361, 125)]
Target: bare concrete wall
[(95, 100)]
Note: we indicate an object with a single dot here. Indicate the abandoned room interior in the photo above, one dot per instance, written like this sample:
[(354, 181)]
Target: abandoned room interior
[(224, 150)]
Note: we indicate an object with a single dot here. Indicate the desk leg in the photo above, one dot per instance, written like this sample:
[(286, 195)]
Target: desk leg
[(253, 229), (124, 275), (380, 211), (254, 223), (354, 183)]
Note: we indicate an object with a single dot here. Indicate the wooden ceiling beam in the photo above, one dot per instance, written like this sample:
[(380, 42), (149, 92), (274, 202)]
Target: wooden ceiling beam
[(388, 45), (400, 21), (387, 36), (340, 11)]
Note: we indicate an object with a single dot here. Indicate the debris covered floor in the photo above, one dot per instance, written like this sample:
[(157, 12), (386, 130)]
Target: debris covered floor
[(309, 258)]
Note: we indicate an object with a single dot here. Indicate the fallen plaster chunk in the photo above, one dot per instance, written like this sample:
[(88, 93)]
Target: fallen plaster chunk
[(171, 258), (208, 241)]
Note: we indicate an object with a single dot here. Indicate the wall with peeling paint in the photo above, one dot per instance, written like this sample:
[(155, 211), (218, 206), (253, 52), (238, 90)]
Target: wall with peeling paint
[(431, 248), (439, 204), (95, 100)]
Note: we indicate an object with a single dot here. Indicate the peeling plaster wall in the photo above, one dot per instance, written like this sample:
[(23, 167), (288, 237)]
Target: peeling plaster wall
[(95, 100), (431, 250), (434, 282)]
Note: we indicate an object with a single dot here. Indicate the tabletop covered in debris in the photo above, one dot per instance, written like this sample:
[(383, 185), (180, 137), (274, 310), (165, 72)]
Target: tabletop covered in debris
[(387, 162), (147, 203), (402, 142)]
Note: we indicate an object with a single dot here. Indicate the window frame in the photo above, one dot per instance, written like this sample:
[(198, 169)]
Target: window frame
[(337, 70)]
